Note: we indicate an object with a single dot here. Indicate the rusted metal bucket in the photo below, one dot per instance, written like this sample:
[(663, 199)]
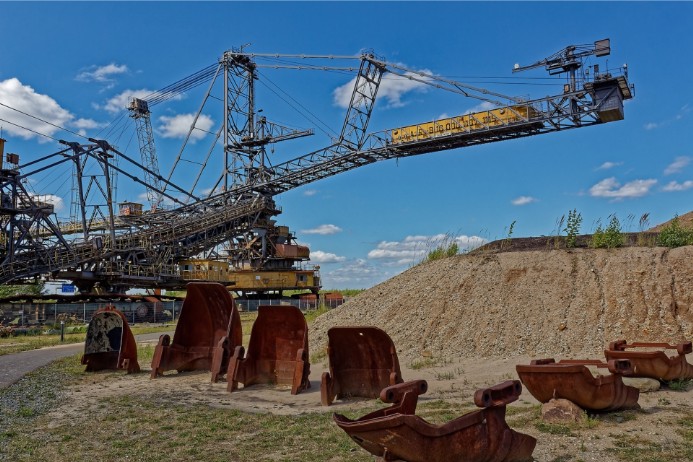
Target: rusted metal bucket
[(572, 380), (651, 363), (110, 343), (277, 351), (208, 329), (395, 433), (363, 361)]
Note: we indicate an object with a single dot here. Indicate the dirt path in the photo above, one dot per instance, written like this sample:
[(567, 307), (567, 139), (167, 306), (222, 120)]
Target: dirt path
[(15, 366)]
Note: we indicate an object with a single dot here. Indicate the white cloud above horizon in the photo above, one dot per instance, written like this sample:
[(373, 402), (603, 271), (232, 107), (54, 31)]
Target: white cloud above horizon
[(673, 186), (609, 165), (357, 273), (121, 101), (310, 192), (15, 94), (324, 230), (318, 256), (682, 113), (178, 126), (524, 200), (102, 74), (677, 165), (611, 188), (481, 107), (392, 88), (414, 248), (57, 201)]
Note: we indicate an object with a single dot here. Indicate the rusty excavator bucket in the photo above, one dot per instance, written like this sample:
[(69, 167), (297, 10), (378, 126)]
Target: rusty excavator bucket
[(363, 361), (277, 351), (208, 330), (651, 360), (396, 434), (546, 379), (110, 343)]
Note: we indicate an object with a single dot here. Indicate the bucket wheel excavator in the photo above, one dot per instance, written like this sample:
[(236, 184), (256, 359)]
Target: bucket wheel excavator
[(233, 228)]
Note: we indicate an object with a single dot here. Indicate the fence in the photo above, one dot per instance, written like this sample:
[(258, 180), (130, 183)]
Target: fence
[(26, 314), (301, 304)]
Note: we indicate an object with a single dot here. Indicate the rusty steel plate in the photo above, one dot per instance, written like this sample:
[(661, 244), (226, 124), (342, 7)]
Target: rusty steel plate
[(110, 343), (396, 434), (277, 351), (208, 316), (651, 360), (571, 379), (363, 361)]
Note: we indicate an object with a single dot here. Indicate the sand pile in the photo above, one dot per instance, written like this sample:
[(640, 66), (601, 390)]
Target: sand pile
[(538, 303)]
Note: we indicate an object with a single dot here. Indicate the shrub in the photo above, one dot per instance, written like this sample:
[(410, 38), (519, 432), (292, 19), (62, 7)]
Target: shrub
[(675, 235), (608, 238), (443, 251), (572, 228), (441, 247)]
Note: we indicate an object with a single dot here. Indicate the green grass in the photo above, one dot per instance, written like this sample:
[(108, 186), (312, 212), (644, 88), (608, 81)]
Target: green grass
[(20, 343), (640, 449), (680, 385), (143, 429), (425, 363)]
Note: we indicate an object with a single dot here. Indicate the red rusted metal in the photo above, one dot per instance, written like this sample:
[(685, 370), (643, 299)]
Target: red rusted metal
[(277, 351), (396, 434), (546, 379), (656, 363), (110, 343), (208, 329), (363, 361)]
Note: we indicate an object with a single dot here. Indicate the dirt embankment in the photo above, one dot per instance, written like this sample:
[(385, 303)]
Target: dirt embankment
[(538, 303)]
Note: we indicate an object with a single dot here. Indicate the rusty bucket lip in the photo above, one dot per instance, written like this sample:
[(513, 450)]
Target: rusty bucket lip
[(398, 432), (362, 361), (651, 360), (572, 380), (126, 357), (253, 367), (205, 318)]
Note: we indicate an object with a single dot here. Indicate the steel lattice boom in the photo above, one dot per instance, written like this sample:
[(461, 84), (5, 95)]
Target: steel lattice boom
[(144, 250)]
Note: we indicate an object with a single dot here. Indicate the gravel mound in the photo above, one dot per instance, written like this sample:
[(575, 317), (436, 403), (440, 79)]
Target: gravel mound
[(541, 303)]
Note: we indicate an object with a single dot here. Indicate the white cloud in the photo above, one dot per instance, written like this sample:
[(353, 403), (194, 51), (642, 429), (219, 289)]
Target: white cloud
[(414, 248), (609, 165), (178, 126), (82, 125), (392, 88), (355, 273), (86, 124), (318, 256), (120, 101), (24, 98), (683, 112), (102, 74), (58, 203), (524, 200), (679, 164), (310, 192), (323, 230), (675, 186), (611, 188), (483, 106)]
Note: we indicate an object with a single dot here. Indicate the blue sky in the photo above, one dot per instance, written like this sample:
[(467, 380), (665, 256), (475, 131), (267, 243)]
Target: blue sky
[(73, 64)]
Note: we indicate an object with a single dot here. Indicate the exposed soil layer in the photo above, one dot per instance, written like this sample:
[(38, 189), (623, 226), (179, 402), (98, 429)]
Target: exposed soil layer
[(537, 303)]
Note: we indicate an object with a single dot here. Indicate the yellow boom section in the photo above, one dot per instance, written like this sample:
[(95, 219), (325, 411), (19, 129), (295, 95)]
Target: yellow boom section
[(485, 120)]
